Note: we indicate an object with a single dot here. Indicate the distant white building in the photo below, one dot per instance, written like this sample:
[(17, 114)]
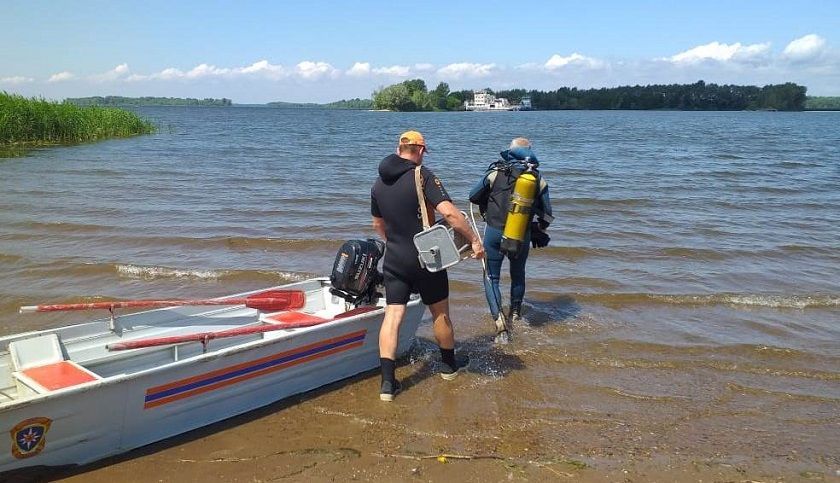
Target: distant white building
[(484, 101)]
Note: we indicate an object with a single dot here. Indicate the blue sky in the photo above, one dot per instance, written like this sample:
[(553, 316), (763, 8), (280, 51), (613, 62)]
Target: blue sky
[(320, 51)]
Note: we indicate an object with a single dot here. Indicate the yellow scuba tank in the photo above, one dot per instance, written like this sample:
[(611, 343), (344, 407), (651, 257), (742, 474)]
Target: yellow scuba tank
[(519, 214)]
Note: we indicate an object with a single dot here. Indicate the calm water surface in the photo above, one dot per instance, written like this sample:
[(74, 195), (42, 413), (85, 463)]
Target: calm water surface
[(694, 261)]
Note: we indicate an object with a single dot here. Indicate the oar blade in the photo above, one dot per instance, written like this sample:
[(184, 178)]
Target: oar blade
[(276, 300)]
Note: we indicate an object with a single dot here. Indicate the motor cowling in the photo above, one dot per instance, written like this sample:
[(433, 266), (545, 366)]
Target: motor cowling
[(519, 214), (355, 274)]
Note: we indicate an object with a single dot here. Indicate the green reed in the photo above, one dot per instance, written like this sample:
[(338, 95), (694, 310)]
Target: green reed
[(38, 122)]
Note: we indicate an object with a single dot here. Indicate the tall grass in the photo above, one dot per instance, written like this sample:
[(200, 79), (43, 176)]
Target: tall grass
[(36, 122)]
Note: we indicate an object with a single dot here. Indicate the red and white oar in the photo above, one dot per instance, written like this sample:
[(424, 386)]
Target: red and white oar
[(268, 301), (206, 337)]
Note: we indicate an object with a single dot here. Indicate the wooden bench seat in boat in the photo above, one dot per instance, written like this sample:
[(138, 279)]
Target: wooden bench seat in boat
[(39, 366)]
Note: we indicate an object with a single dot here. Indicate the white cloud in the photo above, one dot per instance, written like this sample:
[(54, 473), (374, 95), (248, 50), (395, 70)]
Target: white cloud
[(394, 70), (206, 70), (61, 76), (14, 80), (359, 69), (117, 72), (166, 74), (263, 68), (314, 70), (466, 69), (719, 52), (805, 48), (260, 69), (753, 53), (364, 69), (558, 62), (201, 71), (424, 67)]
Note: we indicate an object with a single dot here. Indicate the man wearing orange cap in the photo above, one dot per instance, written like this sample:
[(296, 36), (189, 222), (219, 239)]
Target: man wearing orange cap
[(396, 218)]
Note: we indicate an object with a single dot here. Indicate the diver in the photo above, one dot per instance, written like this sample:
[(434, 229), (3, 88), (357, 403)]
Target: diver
[(514, 202)]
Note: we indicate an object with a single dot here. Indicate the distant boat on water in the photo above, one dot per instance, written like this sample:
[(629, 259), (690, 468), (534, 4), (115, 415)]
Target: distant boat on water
[(485, 101)]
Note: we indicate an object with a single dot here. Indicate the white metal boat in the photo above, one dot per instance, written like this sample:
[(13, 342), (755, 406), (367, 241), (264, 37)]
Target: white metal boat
[(484, 101), (68, 397)]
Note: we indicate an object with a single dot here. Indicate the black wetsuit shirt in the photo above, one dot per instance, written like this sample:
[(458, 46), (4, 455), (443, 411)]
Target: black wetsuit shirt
[(394, 199)]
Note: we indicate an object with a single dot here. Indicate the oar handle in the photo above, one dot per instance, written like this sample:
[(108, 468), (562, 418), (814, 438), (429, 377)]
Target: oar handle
[(205, 337), (127, 305), (275, 300)]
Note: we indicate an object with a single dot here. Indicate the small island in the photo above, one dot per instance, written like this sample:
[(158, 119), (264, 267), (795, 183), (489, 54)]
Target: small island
[(34, 122)]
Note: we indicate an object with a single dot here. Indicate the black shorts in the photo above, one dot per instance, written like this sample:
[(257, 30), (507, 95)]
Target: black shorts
[(401, 282)]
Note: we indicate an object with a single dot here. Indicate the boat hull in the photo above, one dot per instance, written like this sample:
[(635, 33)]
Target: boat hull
[(118, 413)]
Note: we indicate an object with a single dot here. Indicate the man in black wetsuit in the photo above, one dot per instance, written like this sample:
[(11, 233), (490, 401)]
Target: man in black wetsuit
[(396, 218)]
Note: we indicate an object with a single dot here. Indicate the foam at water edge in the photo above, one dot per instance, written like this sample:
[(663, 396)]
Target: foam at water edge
[(775, 301), (149, 273)]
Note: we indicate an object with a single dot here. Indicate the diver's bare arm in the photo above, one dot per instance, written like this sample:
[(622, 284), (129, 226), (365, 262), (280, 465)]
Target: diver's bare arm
[(379, 227), (456, 220)]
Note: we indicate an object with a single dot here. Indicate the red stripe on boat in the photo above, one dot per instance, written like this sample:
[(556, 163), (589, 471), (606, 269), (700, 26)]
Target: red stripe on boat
[(250, 363), (251, 375)]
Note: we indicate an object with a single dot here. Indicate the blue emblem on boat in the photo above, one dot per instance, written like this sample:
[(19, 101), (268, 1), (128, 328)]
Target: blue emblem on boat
[(29, 437)]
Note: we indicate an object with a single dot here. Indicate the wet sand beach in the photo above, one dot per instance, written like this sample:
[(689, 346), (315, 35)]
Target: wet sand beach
[(520, 414), (586, 407)]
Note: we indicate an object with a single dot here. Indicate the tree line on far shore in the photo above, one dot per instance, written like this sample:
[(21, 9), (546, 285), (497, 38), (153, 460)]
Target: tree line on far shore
[(413, 95), (147, 101), (355, 103), (822, 104)]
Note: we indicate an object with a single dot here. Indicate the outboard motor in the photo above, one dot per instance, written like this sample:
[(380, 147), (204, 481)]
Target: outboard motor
[(355, 275)]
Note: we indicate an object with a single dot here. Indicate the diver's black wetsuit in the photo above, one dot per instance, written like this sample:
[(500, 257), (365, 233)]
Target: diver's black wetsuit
[(394, 199)]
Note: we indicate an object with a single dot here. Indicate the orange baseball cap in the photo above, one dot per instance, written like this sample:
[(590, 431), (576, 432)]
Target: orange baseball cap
[(413, 137)]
